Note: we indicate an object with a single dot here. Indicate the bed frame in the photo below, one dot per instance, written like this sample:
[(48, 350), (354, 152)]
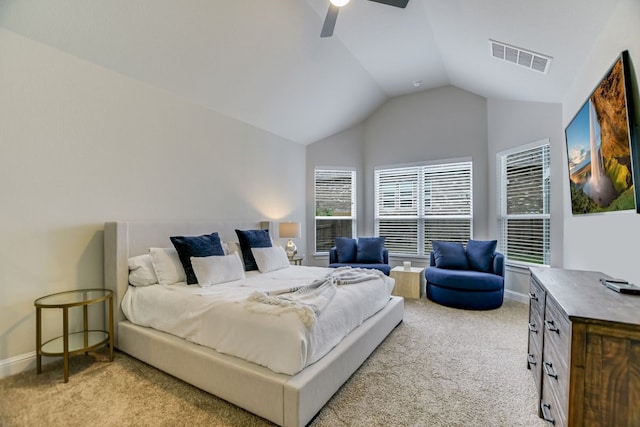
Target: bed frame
[(283, 399)]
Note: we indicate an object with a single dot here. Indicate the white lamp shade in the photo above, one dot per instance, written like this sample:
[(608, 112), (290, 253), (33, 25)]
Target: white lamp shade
[(289, 230)]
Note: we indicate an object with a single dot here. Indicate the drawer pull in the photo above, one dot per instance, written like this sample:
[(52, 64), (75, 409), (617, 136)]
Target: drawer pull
[(533, 296), (531, 359), (532, 328), (546, 413), (548, 369), (551, 326)]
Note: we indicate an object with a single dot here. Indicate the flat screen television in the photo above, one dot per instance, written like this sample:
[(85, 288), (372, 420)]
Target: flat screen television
[(601, 145)]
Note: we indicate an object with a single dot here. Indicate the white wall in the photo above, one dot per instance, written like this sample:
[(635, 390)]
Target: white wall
[(604, 242), (81, 145), (513, 124)]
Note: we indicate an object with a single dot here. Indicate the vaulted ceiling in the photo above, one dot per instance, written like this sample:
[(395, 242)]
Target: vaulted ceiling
[(263, 61)]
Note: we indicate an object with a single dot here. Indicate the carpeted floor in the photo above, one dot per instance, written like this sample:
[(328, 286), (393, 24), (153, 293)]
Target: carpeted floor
[(440, 367)]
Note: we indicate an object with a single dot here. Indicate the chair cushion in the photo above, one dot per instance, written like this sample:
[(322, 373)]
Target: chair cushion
[(480, 254), (464, 279), (347, 249), (385, 268), (450, 255), (370, 250)]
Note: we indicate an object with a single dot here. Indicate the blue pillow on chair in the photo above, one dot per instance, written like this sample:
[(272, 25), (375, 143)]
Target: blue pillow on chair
[(480, 254), (370, 250), (450, 255), (347, 249)]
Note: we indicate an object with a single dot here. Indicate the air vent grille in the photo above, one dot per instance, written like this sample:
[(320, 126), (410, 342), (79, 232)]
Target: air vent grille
[(518, 56)]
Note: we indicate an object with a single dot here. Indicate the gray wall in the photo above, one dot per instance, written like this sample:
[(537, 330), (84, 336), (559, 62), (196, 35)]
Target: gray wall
[(513, 124), (604, 242), (81, 145), (443, 123), (342, 150)]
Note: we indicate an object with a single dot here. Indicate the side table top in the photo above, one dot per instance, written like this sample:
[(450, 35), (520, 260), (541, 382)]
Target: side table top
[(401, 269), (73, 298)]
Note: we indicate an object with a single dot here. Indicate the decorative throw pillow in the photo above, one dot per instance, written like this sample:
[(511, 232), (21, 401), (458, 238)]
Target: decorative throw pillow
[(450, 255), (212, 270), (141, 271), (270, 259), (480, 254), (167, 266), (196, 246), (346, 249), (252, 239), (370, 250)]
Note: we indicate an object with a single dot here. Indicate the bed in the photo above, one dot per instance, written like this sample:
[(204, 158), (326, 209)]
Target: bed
[(287, 400)]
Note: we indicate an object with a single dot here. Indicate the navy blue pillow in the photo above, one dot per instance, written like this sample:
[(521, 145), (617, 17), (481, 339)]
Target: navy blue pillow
[(252, 239), (370, 250), (347, 249), (480, 254), (196, 246), (450, 255)]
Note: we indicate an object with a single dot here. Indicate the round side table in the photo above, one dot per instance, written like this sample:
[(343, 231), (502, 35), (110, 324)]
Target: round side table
[(75, 342)]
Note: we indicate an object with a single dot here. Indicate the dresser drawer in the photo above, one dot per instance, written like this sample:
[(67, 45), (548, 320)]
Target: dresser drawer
[(555, 360), (536, 316), (551, 410), (536, 298)]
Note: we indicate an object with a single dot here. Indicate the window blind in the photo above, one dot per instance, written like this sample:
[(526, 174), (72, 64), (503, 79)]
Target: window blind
[(334, 206), (524, 219), (418, 204)]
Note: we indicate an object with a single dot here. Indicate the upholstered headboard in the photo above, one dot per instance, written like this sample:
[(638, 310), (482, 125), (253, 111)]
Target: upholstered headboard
[(126, 239)]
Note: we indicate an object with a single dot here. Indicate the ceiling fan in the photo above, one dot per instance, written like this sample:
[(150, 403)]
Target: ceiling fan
[(335, 5)]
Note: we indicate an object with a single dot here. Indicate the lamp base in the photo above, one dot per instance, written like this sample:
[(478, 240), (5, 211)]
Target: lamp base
[(291, 249)]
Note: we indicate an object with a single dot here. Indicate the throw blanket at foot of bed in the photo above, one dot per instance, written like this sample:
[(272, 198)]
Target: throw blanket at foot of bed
[(308, 301)]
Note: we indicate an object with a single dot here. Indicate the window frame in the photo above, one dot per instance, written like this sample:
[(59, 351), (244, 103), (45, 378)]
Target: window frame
[(502, 203), (419, 218), (353, 217)]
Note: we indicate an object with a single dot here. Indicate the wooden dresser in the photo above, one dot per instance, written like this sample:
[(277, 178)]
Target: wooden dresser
[(584, 349)]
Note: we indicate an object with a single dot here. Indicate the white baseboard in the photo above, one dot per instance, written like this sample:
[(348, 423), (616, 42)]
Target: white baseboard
[(21, 363), (17, 364), (516, 296)]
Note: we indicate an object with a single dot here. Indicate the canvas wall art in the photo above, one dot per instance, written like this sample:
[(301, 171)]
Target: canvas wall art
[(599, 147)]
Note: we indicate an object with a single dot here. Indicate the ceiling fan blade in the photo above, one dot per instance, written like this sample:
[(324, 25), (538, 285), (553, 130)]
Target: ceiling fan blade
[(396, 3), (330, 21)]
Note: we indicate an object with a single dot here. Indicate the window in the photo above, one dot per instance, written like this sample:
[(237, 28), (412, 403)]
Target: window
[(523, 214), (335, 202), (418, 204)]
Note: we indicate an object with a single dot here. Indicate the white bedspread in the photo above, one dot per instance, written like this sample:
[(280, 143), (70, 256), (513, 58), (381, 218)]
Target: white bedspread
[(218, 316)]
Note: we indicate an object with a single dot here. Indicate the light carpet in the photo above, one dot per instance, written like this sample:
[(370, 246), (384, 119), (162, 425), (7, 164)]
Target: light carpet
[(440, 367)]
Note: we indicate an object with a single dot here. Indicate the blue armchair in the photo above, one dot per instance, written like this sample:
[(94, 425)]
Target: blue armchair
[(366, 252), (475, 282)]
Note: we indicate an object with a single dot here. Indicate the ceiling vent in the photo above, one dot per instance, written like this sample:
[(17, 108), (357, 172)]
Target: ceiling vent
[(518, 56)]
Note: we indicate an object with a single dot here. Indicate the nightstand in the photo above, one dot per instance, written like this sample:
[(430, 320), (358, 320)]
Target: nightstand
[(73, 342), (296, 260), (409, 283)]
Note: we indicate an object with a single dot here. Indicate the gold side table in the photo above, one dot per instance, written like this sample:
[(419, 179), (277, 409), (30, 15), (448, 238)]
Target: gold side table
[(75, 342)]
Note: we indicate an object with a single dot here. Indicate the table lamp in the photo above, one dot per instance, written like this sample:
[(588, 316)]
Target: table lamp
[(290, 230)]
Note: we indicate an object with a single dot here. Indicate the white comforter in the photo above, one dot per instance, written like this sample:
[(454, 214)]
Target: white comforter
[(220, 317)]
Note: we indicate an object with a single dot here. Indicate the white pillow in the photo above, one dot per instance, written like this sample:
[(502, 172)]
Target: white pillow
[(167, 266), (211, 270), (141, 272), (270, 259)]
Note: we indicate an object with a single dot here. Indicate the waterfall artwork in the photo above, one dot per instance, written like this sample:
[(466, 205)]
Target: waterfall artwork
[(599, 148)]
